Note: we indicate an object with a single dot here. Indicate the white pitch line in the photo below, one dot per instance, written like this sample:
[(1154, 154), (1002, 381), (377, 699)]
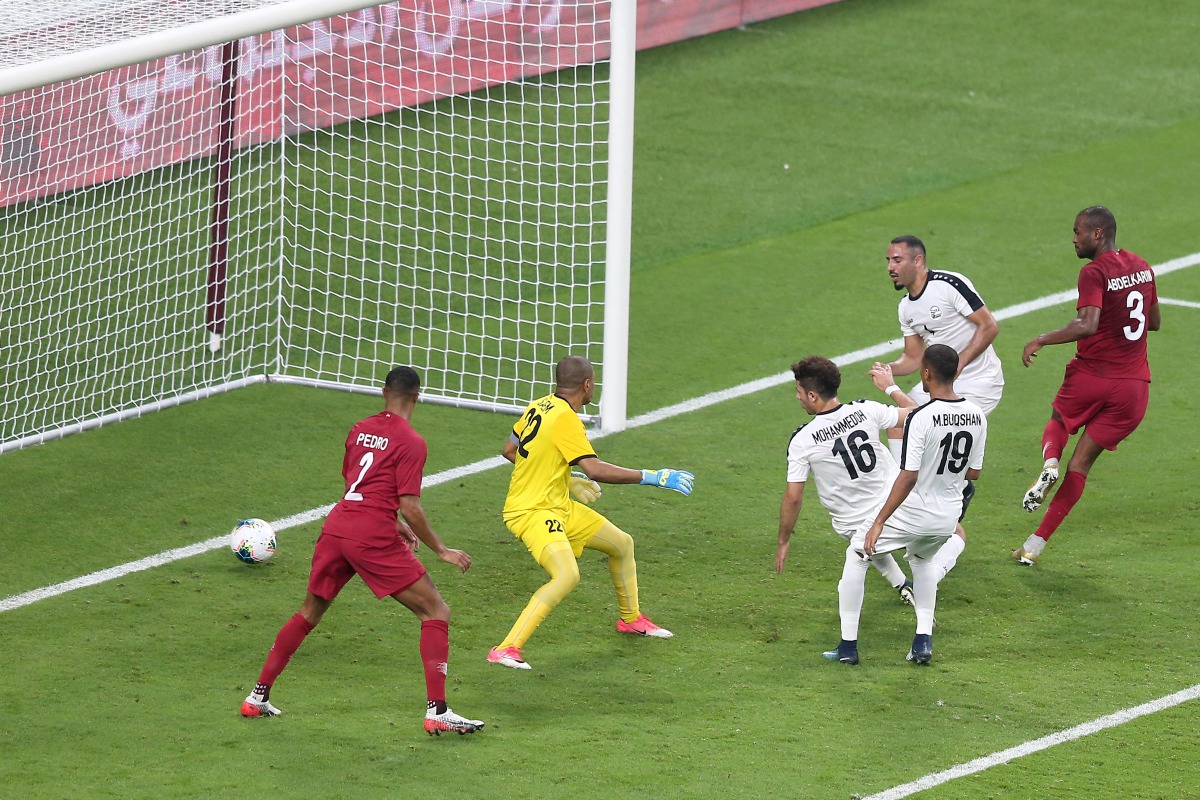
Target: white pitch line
[(1037, 745), (686, 407), (1166, 301)]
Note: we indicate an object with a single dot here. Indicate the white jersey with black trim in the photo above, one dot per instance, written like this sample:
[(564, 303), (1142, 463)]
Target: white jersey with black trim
[(942, 440), (939, 316), (854, 470)]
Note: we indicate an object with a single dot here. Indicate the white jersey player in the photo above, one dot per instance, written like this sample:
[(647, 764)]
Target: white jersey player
[(944, 444), (840, 448), (852, 468), (943, 307)]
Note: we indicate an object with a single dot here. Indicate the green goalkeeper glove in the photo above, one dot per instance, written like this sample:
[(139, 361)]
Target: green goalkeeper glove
[(675, 479), (583, 488)]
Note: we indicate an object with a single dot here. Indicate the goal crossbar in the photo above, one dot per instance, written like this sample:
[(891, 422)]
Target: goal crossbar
[(170, 41)]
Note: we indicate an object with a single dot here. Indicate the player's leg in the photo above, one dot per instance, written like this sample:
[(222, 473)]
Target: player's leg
[(425, 601), (1109, 410), (926, 576), (892, 572), (330, 572), (1054, 442), (622, 570), (851, 589), (558, 560), (1086, 451), (947, 555)]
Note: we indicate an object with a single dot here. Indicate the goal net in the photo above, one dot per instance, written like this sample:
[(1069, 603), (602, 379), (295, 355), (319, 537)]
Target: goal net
[(308, 192)]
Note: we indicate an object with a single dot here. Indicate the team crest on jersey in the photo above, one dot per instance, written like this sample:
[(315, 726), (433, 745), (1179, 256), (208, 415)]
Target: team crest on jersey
[(935, 312)]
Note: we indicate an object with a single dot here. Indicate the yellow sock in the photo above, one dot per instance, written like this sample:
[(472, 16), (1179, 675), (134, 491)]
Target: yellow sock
[(622, 569), (558, 560)]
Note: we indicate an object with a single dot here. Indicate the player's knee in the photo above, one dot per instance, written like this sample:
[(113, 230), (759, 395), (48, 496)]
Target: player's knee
[(622, 542), (567, 577), (432, 606)]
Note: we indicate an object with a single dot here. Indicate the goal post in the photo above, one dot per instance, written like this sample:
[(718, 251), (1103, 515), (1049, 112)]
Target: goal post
[(311, 192)]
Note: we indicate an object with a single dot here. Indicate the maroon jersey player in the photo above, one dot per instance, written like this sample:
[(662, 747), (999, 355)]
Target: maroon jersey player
[(1107, 384), (364, 535)]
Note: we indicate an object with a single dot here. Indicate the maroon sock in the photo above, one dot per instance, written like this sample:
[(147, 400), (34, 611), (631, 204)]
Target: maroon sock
[(288, 640), (1068, 494), (1054, 439), (435, 652)]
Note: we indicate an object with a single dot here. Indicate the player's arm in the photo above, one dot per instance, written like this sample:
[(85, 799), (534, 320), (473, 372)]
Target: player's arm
[(901, 488), (1153, 318), (986, 330), (1085, 324), (789, 512), (881, 376), (603, 472), (414, 515), (509, 450), (910, 360)]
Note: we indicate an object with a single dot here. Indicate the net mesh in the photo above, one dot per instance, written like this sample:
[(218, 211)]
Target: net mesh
[(416, 183)]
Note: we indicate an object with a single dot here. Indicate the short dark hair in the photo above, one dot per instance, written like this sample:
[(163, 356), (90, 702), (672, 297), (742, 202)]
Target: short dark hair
[(1100, 217), (911, 242), (818, 374), (942, 360), (571, 371), (403, 381)]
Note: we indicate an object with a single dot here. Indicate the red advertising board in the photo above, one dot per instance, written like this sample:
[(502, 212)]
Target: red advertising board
[(120, 123)]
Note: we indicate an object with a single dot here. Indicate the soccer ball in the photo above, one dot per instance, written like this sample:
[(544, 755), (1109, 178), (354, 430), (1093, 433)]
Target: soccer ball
[(253, 541)]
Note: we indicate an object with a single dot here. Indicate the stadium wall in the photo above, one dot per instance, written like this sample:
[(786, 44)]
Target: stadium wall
[(126, 121)]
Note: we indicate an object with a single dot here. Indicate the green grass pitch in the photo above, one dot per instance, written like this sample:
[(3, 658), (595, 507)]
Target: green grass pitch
[(981, 127)]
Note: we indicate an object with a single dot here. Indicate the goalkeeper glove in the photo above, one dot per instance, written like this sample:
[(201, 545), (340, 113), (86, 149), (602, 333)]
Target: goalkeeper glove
[(583, 488), (675, 479)]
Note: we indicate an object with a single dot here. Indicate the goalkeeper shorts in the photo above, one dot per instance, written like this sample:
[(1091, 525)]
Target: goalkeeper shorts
[(575, 524)]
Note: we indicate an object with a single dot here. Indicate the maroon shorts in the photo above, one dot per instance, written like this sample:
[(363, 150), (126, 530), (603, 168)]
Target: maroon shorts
[(385, 570), (1109, 408)]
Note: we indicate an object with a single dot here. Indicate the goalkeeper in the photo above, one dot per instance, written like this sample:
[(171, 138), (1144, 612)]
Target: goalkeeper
[(547, 441)]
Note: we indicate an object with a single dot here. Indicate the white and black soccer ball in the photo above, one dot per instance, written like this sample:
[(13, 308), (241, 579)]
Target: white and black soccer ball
[(253, 541)]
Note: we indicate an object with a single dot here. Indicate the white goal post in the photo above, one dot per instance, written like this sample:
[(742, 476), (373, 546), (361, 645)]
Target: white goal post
[(199, 195)]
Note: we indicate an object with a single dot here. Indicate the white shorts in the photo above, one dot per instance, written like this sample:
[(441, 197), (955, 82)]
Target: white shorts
[(984, 395), (891, 539)]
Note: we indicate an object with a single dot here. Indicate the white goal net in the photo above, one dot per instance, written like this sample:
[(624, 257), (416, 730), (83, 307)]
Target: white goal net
[(429, 182)]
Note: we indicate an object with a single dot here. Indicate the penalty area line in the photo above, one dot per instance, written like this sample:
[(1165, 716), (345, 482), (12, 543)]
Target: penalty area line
[(675, 410), (1037, 745)]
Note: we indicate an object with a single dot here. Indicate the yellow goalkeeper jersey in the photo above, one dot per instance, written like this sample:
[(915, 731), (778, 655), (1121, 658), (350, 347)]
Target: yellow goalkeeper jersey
[(550, 440)]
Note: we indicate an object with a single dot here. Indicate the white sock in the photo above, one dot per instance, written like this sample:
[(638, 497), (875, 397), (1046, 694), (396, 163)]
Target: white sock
[(887, 566), (1034, 545), (851, 589), (926, 576), (947, 555)]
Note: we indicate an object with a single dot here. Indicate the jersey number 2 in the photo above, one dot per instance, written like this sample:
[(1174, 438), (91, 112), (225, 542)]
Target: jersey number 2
[(533, 421), (365, 462)]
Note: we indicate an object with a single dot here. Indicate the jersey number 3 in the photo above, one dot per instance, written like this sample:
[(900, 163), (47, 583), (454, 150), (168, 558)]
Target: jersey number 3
[(1137, 316)]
